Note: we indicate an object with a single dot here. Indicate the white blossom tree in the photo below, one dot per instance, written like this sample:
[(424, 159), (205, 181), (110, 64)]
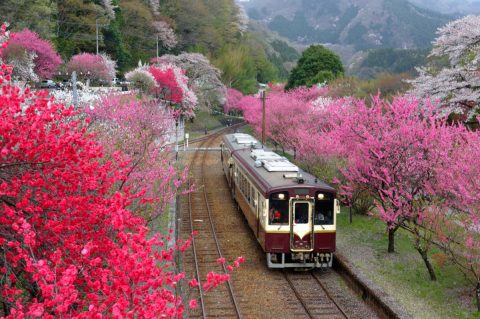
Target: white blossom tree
[(242, 19), (23, 65), (165, 34), (204, 78), (457, 86), (141, 78)]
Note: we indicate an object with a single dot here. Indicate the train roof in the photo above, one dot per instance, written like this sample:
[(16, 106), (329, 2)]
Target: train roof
[(272, 170)]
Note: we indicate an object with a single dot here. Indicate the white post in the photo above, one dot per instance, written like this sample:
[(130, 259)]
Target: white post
[(176, 139), (96, 31)]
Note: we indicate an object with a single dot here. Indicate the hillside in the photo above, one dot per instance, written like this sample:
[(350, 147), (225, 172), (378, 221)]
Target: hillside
[(363, 24), (137, 30), (450, 6)]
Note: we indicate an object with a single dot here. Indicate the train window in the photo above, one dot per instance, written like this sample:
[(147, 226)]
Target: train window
[(323, 209), (301, 213), (278, 210)]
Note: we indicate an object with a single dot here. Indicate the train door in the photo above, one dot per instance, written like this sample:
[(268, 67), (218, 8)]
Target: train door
[(231, 175), (301, 225)]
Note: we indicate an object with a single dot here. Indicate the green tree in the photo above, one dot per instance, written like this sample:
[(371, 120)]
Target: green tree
[(137, 30), (76, 26), (114, 42), (317, 64), (203, 23), (35, 15), (238, 68)]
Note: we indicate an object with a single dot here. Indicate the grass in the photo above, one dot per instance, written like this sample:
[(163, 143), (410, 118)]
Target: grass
[(204, 120), (403, 274)]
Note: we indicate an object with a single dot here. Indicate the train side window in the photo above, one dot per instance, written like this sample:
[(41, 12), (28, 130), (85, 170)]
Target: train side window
[(323, 209), (278, 210)]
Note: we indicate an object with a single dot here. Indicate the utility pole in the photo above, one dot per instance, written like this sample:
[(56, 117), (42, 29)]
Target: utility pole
[(74, 89), (96, 31), (157, 48)]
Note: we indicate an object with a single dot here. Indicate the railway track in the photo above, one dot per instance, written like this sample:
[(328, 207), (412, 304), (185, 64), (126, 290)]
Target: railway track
[(314, 297), (220, 302)]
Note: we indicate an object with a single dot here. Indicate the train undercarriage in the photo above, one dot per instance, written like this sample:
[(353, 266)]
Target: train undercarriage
[(300, 260)]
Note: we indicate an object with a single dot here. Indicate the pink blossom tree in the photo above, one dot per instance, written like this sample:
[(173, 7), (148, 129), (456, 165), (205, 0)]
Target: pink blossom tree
[(287, 113), (232, 99), (393, 151), (459, 186), (46, 59), (140, 129), (93, 67)]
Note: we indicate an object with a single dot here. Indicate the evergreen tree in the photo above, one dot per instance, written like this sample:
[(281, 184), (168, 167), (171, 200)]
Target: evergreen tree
[(316, 65)]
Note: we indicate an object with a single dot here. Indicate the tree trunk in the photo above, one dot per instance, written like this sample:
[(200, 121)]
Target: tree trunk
[(391, 240), (430, 269), (478, 296)]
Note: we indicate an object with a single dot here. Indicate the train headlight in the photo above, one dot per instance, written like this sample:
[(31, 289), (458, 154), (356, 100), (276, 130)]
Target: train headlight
[(320, 196), (281, 196)]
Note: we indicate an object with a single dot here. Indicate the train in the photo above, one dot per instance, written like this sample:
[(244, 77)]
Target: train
[(291, 212)]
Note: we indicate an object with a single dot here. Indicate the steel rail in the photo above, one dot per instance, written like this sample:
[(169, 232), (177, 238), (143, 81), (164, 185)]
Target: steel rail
[(328, 294), (297, 294), (230, 288), (207, 140), (194, 248), (195, 258)]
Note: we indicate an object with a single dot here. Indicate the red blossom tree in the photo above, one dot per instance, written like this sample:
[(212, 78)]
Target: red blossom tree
[(46, 59), (172, 87), (70, 246)]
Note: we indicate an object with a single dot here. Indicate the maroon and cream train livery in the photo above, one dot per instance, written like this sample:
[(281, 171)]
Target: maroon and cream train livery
[(291, 213)]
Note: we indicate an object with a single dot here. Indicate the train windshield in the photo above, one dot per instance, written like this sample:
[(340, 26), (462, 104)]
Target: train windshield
[(323, 209), (301, 213), (278, 210)]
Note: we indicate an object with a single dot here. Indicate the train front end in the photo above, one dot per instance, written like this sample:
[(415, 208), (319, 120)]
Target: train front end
[(301, 227)]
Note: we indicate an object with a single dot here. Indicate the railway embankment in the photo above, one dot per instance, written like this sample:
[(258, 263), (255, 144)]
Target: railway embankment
[(384, 305)]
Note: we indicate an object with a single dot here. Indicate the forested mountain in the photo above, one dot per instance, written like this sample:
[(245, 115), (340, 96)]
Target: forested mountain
[(129, 30), (367, 65), (450, 6), (364, 24)]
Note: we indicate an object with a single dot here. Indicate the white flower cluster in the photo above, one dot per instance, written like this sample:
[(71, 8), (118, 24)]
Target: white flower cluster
[(457, 87), (204, 77), (109, 8), (141, 78), (23, 66), (166, 34), (321, 102), (110, 65), (154, 5), (242, 19), (86, 97)]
